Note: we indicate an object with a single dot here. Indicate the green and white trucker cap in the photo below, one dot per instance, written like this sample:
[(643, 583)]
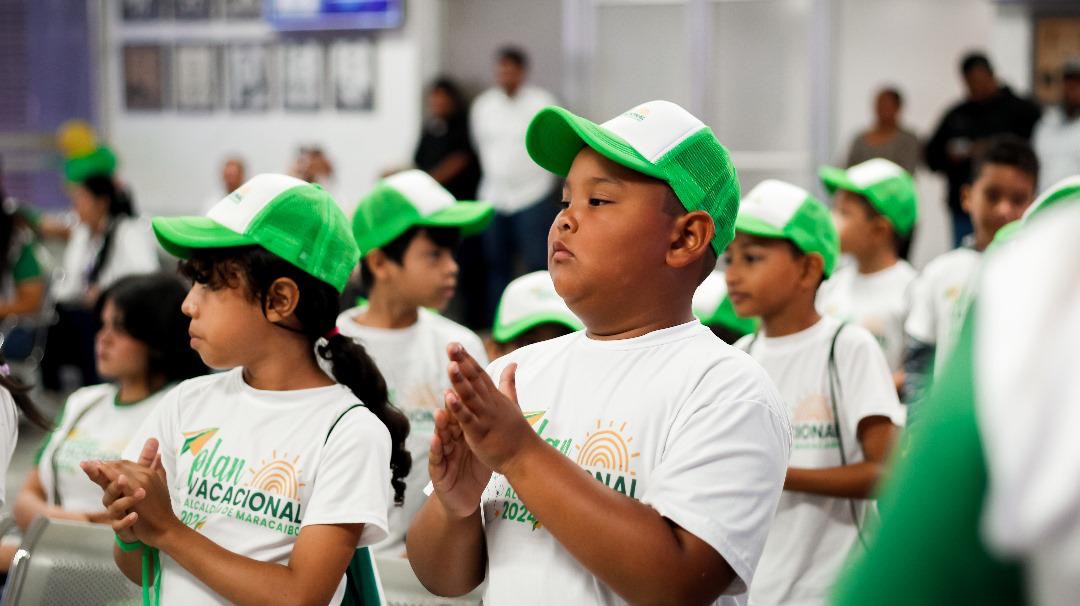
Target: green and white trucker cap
[(775, 209), (658, 139), (408, 199), (293, 219), (530, 301), (713, 307), (1066, 190), (889, 189)]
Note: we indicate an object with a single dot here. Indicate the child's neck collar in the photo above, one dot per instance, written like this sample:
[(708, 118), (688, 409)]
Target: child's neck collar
[(384, 312), (875, 262), (794, 318)]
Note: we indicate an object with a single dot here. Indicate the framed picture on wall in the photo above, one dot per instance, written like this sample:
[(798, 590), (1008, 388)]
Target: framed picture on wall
[(196, 67), (144, 10), (243, 9), (144, 77), (303, 75), (248, 73), (352, 73), (1057, 40), (193, 10)]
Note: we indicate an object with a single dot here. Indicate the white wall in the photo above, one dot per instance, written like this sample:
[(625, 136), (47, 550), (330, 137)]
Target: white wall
[(917, 45), (172, 160), (475, 29)]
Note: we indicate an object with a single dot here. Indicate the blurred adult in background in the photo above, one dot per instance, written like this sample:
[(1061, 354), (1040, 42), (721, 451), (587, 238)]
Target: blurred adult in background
[(313, 166), (1057, 135), (990, 108), (233, 175), (108, 243), (887, 138), (446, 153), (22, 280), (521, 191)]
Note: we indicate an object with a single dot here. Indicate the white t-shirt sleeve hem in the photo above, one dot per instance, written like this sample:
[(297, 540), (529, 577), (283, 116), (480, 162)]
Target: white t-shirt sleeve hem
[(703, 528), (353, 481)]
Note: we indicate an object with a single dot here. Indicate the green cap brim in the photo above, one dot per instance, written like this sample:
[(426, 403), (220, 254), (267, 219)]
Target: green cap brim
[(834, 178), (502, 334), (470, 217), (555, 137), (179, 235), (757, 227)]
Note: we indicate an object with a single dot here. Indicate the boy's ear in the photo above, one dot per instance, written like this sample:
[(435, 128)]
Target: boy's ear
[(376, 261), (965, 197), (281, 299), (813, 271), (692, 236)]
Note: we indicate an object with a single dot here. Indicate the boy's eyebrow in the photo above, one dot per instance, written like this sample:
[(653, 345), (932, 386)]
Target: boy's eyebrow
[(594, 180)]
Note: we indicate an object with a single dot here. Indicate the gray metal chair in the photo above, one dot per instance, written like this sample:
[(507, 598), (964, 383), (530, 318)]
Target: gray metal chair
[(62, 562), (402, 588)]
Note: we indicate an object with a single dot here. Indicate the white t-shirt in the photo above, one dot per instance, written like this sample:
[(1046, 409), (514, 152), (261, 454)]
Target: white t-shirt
[(1027, 388), (248, 469), (812, 535), (878, 302), (939, 299), (1057, 142), (9, 435), (92, 426), (676, 419), (413, 362), (133, 251), (511, 181)]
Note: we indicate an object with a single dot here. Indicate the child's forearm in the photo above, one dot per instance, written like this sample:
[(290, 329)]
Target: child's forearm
[(129, 563), (856, 481), (238, 579), (626, 544), (448, 554)]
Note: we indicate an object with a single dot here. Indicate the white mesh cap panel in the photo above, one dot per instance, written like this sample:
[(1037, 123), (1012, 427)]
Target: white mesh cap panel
[(773, 202), (237, 210), (654, 128), (424, 192), (873, 171)]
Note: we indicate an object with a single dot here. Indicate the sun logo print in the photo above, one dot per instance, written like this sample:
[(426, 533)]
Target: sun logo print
[(280, 476), (607, 448)]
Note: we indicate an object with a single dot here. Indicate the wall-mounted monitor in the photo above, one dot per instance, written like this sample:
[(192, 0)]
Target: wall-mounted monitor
[(314, 15)]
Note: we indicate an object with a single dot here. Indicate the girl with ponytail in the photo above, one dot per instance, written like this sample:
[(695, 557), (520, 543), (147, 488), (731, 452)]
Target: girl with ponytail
[(258, 485)]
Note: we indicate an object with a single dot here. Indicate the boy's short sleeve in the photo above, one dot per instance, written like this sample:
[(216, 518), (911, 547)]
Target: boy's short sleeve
[(722, 472), (866, 384), (352, 483), (921, 323)]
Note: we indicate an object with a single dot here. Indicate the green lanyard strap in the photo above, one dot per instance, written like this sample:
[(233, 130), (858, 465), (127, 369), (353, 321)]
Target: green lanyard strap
[(151, 558)]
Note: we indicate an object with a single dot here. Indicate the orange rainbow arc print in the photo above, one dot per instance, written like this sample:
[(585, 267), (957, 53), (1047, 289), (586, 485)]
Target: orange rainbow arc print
[(279, 476), (607, 448)]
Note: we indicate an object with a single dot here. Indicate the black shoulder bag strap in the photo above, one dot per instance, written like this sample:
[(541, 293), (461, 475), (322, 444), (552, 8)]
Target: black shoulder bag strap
[(361, 583), (834, 395)]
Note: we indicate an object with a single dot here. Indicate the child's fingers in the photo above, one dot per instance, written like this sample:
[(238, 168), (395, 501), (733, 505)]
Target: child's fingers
[(126, 522), (149, 452), (464, 390), (159, 468), (112, 492), (475, 373), (463, 414), (92, 469), (508, 382), (120, 506)]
